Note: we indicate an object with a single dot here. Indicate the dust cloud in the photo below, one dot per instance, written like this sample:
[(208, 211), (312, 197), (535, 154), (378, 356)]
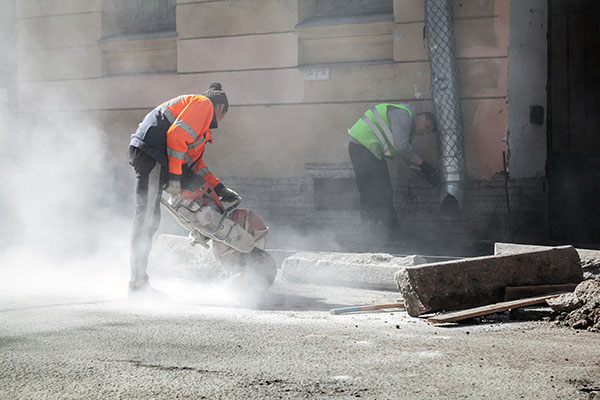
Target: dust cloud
[(66, 211), (64, 227), (65, 220)]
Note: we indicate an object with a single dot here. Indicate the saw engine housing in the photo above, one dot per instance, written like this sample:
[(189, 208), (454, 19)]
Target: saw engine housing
[(238, 235)]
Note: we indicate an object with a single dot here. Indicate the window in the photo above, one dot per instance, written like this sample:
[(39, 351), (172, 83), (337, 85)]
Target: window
[(138, 36), (146, 16), (138, 17)]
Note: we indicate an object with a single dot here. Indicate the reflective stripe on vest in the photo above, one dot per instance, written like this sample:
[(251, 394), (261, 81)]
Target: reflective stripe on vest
[(373, 130), (197, 143), (175, 154), (377, 132), (164, 108), (382, 131), (184, 125), (203, 171)]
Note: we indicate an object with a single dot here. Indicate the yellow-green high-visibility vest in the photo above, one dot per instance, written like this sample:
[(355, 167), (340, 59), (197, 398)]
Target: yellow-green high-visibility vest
[(373, 131)]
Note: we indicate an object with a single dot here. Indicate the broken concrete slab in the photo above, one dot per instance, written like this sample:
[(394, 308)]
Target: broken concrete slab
[(564, 303), (473, 282), (588, 292), (590, 259), (362, 270)]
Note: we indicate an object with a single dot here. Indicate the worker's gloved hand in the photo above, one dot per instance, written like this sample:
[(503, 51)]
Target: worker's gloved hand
[(174, 187), (431, 174), (227, 195)]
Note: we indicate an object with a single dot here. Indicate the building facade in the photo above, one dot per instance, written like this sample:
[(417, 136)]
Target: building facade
[(298, 74)]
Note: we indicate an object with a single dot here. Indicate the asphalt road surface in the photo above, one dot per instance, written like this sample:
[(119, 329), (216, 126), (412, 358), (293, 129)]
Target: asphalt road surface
[(205, 343)]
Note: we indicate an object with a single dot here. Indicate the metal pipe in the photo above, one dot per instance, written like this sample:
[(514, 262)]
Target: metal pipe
[(508, 215), (446, 100)]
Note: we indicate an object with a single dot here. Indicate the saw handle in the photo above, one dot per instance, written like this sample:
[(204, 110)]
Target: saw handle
[(233, 206)]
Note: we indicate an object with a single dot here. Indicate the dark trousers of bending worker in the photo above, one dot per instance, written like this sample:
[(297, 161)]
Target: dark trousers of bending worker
[(375, 189), (149, 180)]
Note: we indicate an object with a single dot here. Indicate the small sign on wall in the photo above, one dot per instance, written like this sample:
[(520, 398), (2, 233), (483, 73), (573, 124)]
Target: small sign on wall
[(316, 74)]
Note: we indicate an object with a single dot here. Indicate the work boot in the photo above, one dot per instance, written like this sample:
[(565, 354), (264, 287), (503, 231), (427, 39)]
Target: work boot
[(144, 290)]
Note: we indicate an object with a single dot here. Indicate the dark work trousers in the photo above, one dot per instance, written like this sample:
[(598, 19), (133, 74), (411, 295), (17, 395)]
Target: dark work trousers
[(374, 187), (149, 178)]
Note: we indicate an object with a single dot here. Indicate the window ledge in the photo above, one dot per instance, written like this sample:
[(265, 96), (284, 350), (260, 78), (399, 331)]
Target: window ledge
[(345, 64), (139, 36), (139, 42), (357, 19)]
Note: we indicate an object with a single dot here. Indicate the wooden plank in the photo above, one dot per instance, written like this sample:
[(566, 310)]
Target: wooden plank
[(519, 292), (344, 310), (490, 309)]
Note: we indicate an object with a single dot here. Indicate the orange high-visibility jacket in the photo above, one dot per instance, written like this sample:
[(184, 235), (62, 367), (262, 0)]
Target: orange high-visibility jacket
[(190, 117)]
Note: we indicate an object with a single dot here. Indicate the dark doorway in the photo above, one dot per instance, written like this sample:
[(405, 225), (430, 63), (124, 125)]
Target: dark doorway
[(573, 166)]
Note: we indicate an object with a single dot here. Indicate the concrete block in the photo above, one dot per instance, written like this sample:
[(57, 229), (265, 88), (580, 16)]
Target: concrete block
[(408, 42), (146, 91), (589, 258), (414, 10), (329, 170), (345, 49), (60, 63), (365, 270), (141, 55), (238, 53), (483, 77), (235, 17), (371, 83), (481, 37), (366, 41), (43, 8), (473, 282), (363, 28), (486, 123), (409, 10), (140, 62), (60, 31), (479, 8)]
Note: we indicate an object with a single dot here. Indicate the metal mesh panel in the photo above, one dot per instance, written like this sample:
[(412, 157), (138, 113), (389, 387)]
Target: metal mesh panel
[(444, 83)]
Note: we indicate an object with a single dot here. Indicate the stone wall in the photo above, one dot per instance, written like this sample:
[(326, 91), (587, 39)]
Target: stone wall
[(293, 203)]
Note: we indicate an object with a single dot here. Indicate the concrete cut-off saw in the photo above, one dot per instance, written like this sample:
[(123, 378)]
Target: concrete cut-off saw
[(237, 235)]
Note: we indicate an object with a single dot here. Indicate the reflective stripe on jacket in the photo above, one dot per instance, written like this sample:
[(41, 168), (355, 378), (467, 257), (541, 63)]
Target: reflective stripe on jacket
[(176, 132), (373, 131)]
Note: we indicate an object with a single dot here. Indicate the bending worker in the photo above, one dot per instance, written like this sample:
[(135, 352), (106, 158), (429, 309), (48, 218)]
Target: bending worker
[(385, 131), (165, 150)]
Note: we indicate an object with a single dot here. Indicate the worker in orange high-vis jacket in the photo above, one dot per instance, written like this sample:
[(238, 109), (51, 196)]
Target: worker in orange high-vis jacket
[(166, 153)]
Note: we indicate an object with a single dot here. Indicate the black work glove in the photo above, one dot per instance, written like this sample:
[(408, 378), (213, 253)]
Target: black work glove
[(227, 195), (431, 174), (173, 188)]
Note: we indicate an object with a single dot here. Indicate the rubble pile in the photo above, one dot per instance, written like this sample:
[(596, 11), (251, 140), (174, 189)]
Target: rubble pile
[(590, 266), (580, 309)]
